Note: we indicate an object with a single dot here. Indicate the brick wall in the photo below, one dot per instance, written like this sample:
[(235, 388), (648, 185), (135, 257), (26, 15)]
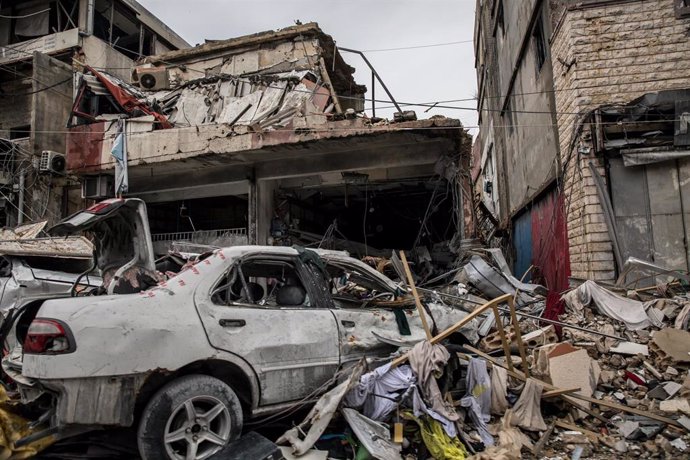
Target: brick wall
[(605, 55)]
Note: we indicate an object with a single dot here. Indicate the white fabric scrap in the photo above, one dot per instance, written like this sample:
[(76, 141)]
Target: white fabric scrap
[(393, 384), (478, 398), (427, 362), (631, 312), (527, 410), (319, 416), (377, 391), (499, 390)]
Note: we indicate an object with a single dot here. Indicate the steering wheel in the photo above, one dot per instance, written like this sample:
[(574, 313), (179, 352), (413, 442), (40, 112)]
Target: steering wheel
[(378, 296)]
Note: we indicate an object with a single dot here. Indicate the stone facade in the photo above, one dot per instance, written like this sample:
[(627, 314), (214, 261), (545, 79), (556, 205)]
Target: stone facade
[(607, 53)]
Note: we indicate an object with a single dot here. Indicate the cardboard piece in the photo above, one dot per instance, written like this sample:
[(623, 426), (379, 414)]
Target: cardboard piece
[(570, 367)]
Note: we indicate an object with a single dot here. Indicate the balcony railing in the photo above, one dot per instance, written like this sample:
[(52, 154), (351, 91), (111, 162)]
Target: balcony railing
[(201, 236)]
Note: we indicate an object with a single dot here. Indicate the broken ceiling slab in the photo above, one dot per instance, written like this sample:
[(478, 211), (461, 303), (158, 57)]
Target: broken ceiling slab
[(72, 247), (22, 232), (672, 345)]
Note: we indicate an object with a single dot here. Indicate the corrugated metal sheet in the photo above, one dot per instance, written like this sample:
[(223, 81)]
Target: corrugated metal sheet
[(550, 254), (651, 205), (540, 239), (522, 242), (84, 147)]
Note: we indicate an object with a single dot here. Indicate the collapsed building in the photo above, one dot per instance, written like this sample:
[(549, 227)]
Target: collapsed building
[(41, 44), (262, 139)]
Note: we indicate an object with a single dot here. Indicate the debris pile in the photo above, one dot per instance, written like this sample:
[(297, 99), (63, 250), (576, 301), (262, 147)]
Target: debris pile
[(609, 377)]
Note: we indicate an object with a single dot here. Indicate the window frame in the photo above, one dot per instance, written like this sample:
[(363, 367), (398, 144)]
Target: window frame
[(316, 301), (682, 8)]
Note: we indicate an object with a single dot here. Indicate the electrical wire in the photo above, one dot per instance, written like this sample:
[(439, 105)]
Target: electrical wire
[(36, 91), (24, 16), (414, 47), (401, 103)]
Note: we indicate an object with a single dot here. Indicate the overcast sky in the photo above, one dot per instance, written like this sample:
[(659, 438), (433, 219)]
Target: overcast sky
[(429, 74)]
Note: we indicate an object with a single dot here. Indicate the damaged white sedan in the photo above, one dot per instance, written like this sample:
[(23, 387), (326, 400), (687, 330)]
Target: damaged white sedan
[(244, 332)]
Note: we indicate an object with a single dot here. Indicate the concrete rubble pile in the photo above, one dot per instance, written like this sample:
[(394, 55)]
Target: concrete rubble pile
[(609, 377), (602, 371)]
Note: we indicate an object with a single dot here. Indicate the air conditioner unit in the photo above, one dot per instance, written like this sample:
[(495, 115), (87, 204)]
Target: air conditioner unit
[(97, 187), (152, 78), (52, 162)]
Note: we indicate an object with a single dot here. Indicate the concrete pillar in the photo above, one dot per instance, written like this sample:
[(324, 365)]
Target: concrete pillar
[(265, 209), (252, 236), (86, 15)]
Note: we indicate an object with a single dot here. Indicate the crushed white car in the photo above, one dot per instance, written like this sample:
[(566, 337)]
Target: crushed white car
[(243, 332)]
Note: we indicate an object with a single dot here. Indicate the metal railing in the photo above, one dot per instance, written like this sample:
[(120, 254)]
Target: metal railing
[(199, 236)]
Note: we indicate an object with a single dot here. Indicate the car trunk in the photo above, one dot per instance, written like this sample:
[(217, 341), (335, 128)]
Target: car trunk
[(122, 239)]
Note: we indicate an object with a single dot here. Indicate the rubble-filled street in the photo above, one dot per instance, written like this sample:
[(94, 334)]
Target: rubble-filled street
[(344, 230)]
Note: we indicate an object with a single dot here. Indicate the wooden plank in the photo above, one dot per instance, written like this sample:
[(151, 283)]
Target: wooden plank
[(448, 332), (415, 294), (595, 437), (521, 376), (327, 79), (518, 336), (569, 398), (502, 335), (552, 393)]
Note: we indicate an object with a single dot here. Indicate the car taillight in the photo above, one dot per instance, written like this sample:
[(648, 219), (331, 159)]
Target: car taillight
[(48, 336)]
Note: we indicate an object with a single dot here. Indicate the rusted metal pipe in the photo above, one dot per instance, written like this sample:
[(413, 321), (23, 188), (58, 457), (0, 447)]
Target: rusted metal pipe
[(378, 77)]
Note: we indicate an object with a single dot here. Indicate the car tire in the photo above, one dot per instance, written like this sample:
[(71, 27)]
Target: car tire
[(195, 416)]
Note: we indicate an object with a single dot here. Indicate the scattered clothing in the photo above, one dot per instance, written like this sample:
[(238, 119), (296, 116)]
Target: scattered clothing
[(527, 410), (427, 362), (478, 398), (499, 390)]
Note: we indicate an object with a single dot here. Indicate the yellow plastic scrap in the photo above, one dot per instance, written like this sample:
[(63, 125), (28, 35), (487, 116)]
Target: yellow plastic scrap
[(14, 427), (440, 445)]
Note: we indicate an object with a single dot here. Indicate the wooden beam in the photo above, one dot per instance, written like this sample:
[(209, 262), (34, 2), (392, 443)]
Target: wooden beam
[(552, 393), (327, 79), (415, 294), (569, 398), (518, 335), (595, 437), (454, 328), (502, 335)]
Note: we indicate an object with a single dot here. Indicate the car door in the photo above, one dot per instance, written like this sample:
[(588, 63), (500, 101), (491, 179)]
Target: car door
[(366, 328), (293, 349)]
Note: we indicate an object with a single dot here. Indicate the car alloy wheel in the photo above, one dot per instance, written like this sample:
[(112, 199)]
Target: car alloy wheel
[(197, 429)]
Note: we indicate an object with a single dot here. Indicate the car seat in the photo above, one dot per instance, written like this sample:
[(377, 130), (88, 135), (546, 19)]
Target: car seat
[(291, 296)]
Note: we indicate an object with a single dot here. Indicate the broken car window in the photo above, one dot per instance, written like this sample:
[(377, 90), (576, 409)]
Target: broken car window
[(261, 282), (354, 288)]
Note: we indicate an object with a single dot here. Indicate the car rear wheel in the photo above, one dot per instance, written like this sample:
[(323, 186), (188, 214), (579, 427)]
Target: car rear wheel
[(191, 418)]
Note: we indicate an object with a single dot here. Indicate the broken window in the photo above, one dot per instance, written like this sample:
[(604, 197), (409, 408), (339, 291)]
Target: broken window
[(351, 287), (118, 26), (364, 216), (682, 8), (29, 20), (539, 43), (262, 282), (20, 132)]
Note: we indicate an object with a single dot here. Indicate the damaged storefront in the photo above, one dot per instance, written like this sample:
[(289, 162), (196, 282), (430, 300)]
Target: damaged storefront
[(268, 146), (644, 146)]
